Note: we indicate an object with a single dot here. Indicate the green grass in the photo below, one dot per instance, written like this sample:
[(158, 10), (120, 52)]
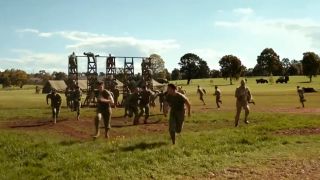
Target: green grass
[(208, 143)]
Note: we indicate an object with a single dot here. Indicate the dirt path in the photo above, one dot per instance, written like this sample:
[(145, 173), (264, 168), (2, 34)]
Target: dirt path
[(84, 129)]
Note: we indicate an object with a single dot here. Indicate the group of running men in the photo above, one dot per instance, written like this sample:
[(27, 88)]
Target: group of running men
[(137, 103)]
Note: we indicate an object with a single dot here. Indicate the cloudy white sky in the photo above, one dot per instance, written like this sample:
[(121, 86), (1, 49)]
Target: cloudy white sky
[(40, 34)]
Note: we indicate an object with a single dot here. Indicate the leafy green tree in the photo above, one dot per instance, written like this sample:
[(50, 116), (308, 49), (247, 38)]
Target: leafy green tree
[(157, 66), (268, 62), (230, 67), (310, 64), (285, 62), (204, 70), (59, 76), (189, 66), (13, 77), (215, 73), (175, 74)]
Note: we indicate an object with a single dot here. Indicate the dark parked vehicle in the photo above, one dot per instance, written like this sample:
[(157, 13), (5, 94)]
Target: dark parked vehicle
[(283, 79), (261, 81)]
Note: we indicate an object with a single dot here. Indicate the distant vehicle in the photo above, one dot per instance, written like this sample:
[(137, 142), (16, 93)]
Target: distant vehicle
[(262, 81), (283, 79), (308, 90)]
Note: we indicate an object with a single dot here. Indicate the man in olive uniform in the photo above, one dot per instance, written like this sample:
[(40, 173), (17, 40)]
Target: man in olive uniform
[(125, 102), (116, 94), (201, 93), (217, 93), (55, 104), (145, 96), (68, 97), (243, 95), (132, 103), (301, 95), (176, 101), (77, 101), (104, 102)]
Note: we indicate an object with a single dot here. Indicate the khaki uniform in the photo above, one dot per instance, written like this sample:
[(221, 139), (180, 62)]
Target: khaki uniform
[(242, 94), (103, 111), (301, 96), (55, 104), (201, 92), (217, 93)]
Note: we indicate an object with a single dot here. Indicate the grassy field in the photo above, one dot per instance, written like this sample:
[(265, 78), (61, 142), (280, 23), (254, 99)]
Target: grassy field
[(281, 142)]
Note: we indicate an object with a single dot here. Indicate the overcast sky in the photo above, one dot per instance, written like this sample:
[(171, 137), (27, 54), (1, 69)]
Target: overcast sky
[(40, 34)]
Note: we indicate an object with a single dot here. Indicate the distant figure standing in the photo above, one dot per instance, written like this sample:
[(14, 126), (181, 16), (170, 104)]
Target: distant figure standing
[(104, 102), (201, 93), (144, 105), (77, 101), (161, 99), (217, 93), (242, 95), (55, 104), (176, 101), (301, 95), (37, 90)]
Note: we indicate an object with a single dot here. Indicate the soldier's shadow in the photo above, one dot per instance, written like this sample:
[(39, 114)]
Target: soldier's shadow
[(143, 146)]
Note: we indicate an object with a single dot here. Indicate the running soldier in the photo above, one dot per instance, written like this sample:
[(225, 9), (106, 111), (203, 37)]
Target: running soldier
[(243, 96), (217, 93), (125, 102), (176, 101), (67, 93), (301, 95), (77, 101), (201, 92), (55, 104), (104, 102), (132, 103), (144, 104)]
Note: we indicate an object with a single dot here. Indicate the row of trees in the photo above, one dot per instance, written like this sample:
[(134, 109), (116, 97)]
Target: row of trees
[(13, 77), (17, 77), (268, 63)]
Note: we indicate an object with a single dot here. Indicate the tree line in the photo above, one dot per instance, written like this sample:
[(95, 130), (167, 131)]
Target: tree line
[(231, 67)]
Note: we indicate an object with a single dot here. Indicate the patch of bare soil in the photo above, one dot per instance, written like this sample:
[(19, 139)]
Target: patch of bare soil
[(302, 131), (276, 169), (84, 129)]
